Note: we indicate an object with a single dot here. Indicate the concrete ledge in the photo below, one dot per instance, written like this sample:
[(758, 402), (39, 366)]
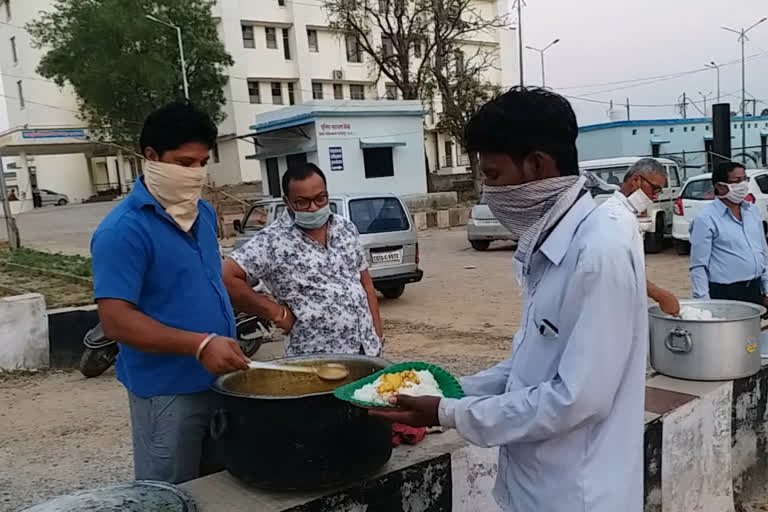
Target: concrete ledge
[(23, 332), (442, 473), (449, 218)]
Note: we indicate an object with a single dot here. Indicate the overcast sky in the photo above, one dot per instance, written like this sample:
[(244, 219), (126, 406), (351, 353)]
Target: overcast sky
[(614, 40)]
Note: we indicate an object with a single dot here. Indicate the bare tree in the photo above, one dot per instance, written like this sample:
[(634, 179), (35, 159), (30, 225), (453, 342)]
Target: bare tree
[(417, 45)]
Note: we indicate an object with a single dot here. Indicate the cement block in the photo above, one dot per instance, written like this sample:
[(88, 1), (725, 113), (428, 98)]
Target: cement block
[(432, 200), (431, 219), (443, 219), (23, 332), (420, 221)]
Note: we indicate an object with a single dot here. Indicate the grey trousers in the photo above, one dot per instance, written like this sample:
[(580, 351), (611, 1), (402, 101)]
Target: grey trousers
[(171, 440)]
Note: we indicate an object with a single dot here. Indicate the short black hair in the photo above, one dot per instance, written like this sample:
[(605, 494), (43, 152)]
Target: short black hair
[(720, 175), (176, 124), (301, 172), (524, 120)]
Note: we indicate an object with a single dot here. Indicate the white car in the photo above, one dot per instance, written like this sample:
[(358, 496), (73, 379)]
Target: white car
[(699, 192)]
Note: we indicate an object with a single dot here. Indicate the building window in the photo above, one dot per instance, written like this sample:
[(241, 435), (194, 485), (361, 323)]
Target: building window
[(7, 10), (383, 6), (253, 91), (248, 41), (216, 155), (448, 153), (735, 127), (671, 130), (277, 93), (20, 90), (417, 49), (338, 92), (653, 130), (378, 162), (459, 61), (14, 55), (312, 40), (706, 128), (291, 94), (317, 91), (271, 34), (693, 128), (281, 3), (354, 49), (634, 131), (685, 128), (390, 92), (357, 92), (286, 45), (387, 47)]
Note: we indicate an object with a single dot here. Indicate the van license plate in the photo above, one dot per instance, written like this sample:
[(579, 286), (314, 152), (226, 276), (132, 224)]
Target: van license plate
[(395, 257)]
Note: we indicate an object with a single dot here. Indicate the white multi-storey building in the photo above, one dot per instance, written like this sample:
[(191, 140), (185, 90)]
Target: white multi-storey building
[(285, 53)]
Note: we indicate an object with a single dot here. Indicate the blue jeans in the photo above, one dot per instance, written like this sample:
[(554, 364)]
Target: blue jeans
[(171, 440)]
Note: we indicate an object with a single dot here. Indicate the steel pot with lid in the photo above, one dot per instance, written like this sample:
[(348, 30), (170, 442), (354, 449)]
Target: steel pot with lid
[(723, 348), (286, 431)]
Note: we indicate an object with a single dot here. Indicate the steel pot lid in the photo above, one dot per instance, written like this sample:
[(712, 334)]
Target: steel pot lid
[(722, 310), (141, 496)]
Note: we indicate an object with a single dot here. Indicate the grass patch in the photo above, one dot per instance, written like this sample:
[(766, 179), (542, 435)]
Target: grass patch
[(75, 265)]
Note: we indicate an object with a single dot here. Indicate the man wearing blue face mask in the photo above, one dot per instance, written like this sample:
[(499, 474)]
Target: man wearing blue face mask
[(316, 267)]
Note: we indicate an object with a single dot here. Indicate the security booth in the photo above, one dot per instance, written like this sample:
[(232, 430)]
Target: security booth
[(361, 146)]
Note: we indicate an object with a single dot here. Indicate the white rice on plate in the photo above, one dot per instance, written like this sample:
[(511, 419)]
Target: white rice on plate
[(427, 386)]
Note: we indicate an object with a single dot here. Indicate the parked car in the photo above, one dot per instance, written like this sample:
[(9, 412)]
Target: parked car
[(51, 198), (699, 192), (657, 221), (386, 232), (483, 228)]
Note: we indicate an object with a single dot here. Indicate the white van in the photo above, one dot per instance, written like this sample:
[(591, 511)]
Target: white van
[(657, 220)]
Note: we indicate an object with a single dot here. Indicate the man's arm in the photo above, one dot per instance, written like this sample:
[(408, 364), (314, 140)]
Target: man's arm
[(764, 276), (373, 301), (119, 266), (701, 248), (246, 300), (667, 301)]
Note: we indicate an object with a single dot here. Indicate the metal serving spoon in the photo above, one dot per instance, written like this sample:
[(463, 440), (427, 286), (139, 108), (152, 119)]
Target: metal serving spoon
[(326, 371)]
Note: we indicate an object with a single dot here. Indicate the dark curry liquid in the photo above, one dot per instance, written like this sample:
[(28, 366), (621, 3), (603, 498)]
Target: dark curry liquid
[(277, 383)]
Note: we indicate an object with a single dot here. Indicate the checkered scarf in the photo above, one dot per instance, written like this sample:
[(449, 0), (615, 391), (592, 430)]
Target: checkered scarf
[(531, 209)]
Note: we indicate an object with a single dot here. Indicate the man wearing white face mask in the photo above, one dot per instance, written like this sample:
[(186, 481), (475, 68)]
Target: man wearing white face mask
[(158, 286), (314, 264), (729, 257), (643, 183)]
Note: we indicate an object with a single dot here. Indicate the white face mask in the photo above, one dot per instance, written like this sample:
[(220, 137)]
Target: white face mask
[(639, 201), (737, 192)]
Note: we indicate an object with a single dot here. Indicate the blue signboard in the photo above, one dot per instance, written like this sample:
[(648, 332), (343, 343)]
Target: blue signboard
[(53, 134), (337, 158)]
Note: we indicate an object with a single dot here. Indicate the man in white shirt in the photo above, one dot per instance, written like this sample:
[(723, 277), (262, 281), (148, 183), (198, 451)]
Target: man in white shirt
[(566, 409), (642, 185)]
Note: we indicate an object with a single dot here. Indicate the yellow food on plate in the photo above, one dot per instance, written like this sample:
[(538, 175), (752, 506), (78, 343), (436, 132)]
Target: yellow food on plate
[(391, 383)]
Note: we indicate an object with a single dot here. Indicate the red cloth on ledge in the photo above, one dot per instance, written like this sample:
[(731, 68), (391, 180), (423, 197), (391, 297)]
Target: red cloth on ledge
[(403, 434)]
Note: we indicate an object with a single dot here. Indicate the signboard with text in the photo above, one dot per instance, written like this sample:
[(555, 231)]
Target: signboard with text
[(337, 158)]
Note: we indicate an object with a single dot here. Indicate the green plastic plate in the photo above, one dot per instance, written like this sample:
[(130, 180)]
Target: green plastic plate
[(447, 383)]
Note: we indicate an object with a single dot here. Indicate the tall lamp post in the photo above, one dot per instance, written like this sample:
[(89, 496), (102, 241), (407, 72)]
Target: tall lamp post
[(541, 53), (519, 5), (713, 65), (742, 39), (181, 50)]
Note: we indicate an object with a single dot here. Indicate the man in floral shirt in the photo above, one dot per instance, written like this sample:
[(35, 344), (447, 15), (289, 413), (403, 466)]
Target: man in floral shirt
[(316, 268)]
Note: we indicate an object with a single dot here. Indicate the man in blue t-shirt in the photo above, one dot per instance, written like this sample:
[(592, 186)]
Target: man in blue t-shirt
[(158, 286)]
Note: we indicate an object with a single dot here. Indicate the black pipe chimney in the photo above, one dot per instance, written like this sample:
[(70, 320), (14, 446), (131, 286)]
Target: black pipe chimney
[(721, 133)]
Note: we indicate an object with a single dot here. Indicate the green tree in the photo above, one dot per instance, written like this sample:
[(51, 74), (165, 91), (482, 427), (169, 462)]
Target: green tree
[(123, 66)]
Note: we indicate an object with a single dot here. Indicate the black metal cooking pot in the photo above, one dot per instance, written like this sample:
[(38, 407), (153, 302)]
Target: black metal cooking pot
[(286, 431)]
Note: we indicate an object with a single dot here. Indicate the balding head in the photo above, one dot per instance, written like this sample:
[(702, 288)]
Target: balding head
[(648, 175)]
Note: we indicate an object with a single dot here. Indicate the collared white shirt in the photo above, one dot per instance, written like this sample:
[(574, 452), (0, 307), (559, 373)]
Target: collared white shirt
[(567, 407)]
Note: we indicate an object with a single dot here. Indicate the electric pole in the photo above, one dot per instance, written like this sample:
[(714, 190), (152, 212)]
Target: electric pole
[(519, 4)]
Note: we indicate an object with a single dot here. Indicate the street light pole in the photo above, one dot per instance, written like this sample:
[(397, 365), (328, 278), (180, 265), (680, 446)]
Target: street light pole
[(713, 65), (519, 4), (742, 39), (541, 53), (181, 50), (10, 223)]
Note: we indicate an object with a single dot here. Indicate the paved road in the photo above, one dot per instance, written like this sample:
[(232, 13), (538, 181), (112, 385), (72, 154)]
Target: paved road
[(64, 229)]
